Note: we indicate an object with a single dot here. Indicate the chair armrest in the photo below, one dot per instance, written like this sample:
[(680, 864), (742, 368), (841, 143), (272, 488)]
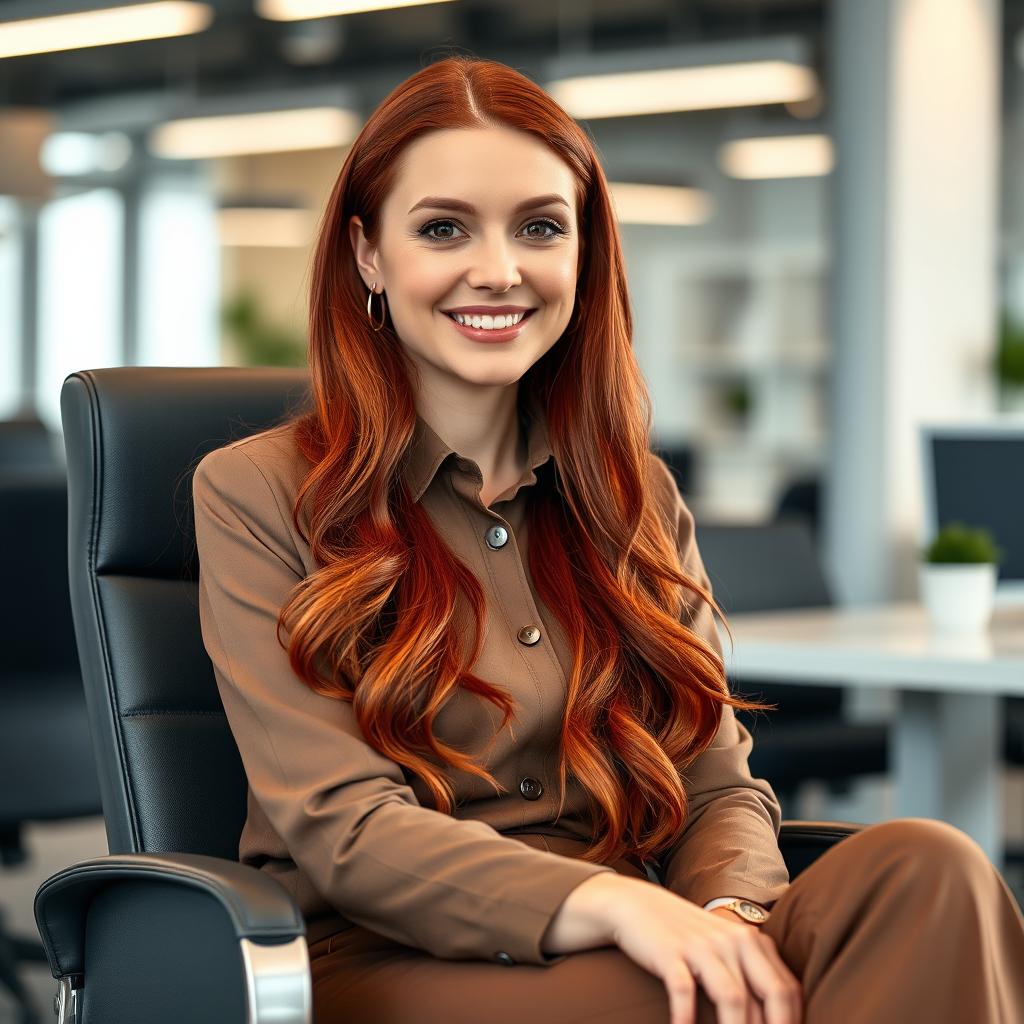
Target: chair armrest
[(198, 938), (802, 842)]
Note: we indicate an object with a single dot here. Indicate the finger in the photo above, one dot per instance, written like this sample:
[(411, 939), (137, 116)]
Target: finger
[(773, 984), (795, 986), (724, 985), (682, 995)]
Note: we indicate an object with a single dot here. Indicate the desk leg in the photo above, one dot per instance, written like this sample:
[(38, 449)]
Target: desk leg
[(946, 756)]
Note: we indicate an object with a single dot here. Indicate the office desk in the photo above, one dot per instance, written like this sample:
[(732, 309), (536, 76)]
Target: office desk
[(947, 735)]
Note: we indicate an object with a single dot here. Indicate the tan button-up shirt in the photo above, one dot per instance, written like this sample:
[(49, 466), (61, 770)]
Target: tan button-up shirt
[(340, 825)]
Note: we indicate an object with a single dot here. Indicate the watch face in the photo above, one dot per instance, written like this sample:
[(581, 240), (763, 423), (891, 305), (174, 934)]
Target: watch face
[(751, 911)]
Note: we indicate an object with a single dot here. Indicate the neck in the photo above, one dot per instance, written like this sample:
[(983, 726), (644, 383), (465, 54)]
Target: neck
[(482, 426)]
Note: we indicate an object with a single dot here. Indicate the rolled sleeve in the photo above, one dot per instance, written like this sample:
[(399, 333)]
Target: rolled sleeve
[(730, 841), (454, 887)]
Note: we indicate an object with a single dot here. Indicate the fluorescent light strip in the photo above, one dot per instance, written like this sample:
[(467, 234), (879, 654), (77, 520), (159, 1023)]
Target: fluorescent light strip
[(272, 131), (264, 227), (103, 27), (659, 204), (663, 90), (781, 156), (298, 10)]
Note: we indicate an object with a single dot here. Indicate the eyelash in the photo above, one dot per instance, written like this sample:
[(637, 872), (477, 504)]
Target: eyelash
[(558, 229)]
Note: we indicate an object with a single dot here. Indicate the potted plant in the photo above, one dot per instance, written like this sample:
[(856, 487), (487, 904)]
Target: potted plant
[(957, 577), (1009, 363), (260, 342)]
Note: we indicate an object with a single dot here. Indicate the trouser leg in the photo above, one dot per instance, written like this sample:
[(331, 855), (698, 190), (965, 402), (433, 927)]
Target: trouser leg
[(906, 921)]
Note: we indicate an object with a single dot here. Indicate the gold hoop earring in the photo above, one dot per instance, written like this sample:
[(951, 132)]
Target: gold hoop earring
[(383, 309)]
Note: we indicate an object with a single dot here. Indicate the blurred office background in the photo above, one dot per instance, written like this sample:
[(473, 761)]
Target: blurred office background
[(821, 203)]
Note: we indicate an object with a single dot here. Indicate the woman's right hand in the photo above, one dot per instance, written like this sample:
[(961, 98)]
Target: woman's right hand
[(737, 964)]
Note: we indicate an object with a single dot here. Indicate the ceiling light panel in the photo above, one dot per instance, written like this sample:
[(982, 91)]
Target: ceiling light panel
[(779, 156), (700, 77), (299, 10), (103, 27), (637, 203), (272, 131)]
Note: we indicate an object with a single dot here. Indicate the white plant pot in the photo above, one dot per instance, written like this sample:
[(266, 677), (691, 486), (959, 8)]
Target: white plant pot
[(959, 597)]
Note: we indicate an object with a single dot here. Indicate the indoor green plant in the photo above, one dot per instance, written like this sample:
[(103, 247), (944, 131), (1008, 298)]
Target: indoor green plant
[(260, 342), (957, 576), (1009, 361)]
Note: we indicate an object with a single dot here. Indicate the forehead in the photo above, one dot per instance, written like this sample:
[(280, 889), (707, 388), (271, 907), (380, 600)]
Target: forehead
[(491, 168)]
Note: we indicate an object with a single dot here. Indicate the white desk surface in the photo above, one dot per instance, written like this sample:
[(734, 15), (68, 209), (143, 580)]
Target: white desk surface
[(891, 646)]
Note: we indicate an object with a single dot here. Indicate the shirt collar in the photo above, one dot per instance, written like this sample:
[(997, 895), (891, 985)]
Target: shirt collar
[(427, 451)]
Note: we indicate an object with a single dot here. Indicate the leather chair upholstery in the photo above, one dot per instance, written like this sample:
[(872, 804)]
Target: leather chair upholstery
[(174, 793)]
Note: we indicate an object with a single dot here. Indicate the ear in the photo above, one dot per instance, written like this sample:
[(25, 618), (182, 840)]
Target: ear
[(365, 254)]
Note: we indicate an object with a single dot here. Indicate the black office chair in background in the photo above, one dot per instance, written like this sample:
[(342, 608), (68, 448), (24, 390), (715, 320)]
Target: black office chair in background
[(46, 758), (26, 443), (774, 566), (170, 927)]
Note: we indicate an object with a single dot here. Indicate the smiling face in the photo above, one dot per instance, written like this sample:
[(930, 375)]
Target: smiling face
[(478, 219)]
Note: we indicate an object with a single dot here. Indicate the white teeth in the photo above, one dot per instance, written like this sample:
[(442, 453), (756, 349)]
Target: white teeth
[(487, 322)]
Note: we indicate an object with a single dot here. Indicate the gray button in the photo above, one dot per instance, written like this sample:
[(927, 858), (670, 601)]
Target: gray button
[(503, 958), (496, 537), (529, 635), (531, 788)]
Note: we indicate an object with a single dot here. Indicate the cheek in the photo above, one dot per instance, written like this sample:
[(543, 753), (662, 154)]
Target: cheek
[(418, 279), (556, 278)]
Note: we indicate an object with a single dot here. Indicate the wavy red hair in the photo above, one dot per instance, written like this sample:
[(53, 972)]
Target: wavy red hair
[(374, 624)]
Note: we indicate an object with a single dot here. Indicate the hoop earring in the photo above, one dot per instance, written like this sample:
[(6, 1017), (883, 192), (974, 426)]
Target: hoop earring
[(383, 309)]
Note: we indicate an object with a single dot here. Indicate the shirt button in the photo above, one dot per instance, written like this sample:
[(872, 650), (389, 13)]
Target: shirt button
[(496, 537), (503, 958), (531, 788), (529, 635)]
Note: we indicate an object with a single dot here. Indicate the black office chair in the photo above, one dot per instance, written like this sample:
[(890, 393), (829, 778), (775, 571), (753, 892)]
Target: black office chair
[(27, 444), (170, 927), (773, 566), (46, 757)]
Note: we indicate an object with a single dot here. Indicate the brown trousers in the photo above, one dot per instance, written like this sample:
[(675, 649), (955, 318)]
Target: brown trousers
[(905, 922)]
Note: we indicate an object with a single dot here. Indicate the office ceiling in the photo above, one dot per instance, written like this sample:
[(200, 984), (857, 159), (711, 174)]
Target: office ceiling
[(240, 49)]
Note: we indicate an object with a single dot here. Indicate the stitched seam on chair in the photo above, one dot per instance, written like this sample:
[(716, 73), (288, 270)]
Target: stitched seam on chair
[(160, 712), (97, 434)]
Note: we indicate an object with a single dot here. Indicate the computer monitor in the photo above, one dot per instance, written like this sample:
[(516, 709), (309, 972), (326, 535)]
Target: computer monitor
[(974, 473)]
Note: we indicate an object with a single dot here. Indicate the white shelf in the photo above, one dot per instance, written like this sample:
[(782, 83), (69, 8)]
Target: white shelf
[(753, 317)]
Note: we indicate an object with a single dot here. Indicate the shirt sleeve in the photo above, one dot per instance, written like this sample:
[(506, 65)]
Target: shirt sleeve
[(454, 887), (730, 841)]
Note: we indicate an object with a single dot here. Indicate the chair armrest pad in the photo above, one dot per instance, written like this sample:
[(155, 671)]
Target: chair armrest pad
[(258, 907), (802, 842)]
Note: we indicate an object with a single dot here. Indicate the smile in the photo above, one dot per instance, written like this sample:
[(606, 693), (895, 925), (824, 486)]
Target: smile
[(482, 328)]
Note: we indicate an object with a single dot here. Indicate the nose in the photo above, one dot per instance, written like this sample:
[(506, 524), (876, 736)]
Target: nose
[(494, 265)]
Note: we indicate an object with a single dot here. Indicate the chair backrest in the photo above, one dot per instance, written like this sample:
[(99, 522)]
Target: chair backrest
[(26, 443), (34, 525), (170, 775), (762, 567), (46, 754)]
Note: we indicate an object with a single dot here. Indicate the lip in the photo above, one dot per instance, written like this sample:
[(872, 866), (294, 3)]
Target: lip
[(488, 310), (491, 337)]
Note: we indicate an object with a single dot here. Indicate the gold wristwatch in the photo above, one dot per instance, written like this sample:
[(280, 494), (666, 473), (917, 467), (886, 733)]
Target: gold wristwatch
[(749, 911)]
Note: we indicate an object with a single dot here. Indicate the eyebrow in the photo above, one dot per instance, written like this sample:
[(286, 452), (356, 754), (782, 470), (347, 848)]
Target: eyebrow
[(444, 203)]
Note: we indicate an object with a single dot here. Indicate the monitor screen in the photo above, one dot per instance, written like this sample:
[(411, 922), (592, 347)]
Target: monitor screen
[(975, 475)]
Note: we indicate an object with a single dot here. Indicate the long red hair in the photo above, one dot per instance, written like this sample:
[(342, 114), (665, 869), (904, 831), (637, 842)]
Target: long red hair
[(374, 624)]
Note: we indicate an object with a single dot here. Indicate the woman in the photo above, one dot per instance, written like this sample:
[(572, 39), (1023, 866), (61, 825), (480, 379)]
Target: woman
[(465, 643)]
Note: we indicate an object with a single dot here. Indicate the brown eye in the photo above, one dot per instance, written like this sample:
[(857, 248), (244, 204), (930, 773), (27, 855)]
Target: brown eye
[(425, 231), (553, 226)]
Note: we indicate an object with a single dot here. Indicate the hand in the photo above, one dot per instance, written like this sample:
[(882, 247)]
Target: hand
[(737, 964)]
